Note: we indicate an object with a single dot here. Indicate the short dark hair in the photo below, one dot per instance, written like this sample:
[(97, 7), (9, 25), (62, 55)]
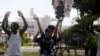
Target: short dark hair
[(48, 30), (52, 27), (15, 23)]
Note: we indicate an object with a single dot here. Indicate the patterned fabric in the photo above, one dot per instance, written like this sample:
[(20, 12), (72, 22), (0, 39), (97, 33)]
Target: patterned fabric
[(47, 45)]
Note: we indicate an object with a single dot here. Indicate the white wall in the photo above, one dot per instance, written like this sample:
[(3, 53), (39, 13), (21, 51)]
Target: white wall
[(33, 27)]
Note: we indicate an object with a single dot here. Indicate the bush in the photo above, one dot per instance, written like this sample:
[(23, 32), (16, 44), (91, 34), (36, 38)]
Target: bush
[(27, 44), (26, 41)]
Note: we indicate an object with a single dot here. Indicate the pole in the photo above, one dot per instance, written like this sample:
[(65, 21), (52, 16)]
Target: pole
[(60, 43)]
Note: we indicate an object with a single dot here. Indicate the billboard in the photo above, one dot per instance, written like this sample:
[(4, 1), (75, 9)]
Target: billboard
[(67, 6), (55, 3)]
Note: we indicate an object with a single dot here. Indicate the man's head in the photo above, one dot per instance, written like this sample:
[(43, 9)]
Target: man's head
[(14, 26), (52, 27), (48, 32)]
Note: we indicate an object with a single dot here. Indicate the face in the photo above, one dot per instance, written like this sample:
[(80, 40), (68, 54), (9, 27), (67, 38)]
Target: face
[(48, 34), (14, 27)]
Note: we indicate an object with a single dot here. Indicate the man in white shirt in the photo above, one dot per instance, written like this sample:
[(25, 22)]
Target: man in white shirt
[(14, 35)]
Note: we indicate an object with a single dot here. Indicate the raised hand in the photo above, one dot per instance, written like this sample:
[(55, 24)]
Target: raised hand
[(7, 14), (39, 26), (20, 14), (35, 17)]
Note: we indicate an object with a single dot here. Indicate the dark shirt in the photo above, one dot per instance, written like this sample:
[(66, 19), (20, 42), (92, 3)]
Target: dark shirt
[(47, 45)]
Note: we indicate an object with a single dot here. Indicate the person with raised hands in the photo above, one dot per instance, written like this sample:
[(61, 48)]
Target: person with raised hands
[(47, 40), (14, 34)]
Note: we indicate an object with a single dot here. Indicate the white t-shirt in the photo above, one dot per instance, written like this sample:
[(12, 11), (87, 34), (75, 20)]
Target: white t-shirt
[(14, 44), (98, 49)]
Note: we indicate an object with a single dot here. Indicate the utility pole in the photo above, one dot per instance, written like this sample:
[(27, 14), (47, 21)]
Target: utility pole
[(62, 8), (59, 11)]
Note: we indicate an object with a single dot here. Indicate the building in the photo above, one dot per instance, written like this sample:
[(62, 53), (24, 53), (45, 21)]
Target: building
[(32, 24)]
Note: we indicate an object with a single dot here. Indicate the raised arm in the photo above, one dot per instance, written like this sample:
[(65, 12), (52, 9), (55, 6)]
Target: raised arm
[(4, 27), (59, 36), (39, 26), (35, 37), (56, 29), (25, 23)]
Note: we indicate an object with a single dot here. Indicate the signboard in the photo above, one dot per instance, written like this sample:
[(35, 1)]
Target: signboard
[(55, 3), (67, 4)]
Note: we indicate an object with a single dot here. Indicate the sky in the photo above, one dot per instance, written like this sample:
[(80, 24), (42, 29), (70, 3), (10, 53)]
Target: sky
[(40, 7)]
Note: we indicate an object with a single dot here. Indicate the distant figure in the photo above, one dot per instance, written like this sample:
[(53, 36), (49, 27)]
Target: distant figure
[(98, 49), (14, 35), (47, 40)]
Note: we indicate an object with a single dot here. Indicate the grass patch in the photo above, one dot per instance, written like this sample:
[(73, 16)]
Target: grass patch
[(37, 54), (27, 44), (30, 54)]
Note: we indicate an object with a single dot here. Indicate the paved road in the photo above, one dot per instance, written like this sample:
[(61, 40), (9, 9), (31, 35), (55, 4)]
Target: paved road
[(30, 49), (36, 49)]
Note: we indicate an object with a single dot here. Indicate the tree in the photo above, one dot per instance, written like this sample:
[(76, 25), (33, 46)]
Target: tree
[(86, 24), (73, 31), (85, 35), (89, 12), (87, 6)]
